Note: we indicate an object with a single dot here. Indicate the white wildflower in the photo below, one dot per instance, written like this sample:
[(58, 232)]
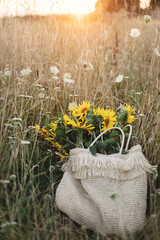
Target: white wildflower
[(3, 225), (38, 85), (26, 96), (31, 127), (51, 98), (55, 77), (156, 51), (138, 93), (23, 142), (68, 80), (4, 181), (73, 95), (41, 95), (67, 75), (135, 33), (16, 119), (119, 79), (12, 177), (150, 140), (43, 89), (25, 72), (49, 150), (73, 104), (7, 73), (87, 66), (54, 70), (141, 115)]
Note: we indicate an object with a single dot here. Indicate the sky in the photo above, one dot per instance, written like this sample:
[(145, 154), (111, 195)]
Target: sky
[(22, 7), (43, 7)]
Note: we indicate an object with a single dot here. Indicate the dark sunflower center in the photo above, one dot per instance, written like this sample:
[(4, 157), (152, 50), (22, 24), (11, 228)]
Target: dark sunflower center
[(106, 122), (84, 110)]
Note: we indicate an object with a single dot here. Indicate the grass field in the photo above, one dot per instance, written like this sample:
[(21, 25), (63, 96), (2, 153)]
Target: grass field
[(31, 171)]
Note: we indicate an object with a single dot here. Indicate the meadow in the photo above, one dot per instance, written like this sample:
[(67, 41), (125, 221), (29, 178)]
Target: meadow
[(29, 170)]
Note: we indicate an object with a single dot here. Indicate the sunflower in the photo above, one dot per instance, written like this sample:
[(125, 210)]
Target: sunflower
[(109, 119), (43, 131), (130, 114), (51, 137), (65, 120), (130, 118), (129, 109), (81, 125), (81, 110), (100, 111), (53, 125), (62, 153)]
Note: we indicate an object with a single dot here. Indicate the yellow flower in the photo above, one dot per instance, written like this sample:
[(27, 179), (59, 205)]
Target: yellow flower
[(65, 120), (81, 110), (130, 118), (63, 153), (50, 138), (53, 125), (43, 131), (100, 111), (37, 128), (109, 119), (130, 113), (129, 109), (81, 125)]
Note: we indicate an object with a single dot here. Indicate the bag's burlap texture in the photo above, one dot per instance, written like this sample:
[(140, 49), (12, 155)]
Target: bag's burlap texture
[(106, 193)]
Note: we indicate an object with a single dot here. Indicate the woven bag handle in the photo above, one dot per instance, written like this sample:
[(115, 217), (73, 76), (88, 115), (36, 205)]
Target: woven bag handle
[(122, 145), (129, 137)]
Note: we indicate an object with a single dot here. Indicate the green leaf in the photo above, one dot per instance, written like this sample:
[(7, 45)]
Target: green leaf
[(64, 146), (62, 117), (113, 134), (102, 145), (88, 143), (89, 117), (93, 149), (126, 135), (109, 141), (123, 116)]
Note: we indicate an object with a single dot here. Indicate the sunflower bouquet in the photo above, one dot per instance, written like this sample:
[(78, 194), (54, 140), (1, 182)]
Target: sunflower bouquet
[(83, 124)]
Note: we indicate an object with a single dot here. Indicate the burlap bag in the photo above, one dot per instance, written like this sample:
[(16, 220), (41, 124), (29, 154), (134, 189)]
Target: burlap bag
[(106, 193)]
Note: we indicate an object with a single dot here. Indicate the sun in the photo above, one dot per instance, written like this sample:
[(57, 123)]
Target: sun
[(144, 3), (78, 6)]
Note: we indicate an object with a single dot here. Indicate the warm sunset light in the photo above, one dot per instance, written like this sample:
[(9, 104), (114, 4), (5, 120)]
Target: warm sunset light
[(144, 3), (78, 7), (22, 7)]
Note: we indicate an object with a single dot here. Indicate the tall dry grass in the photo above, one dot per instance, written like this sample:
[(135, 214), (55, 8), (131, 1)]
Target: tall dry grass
[(33, 171)]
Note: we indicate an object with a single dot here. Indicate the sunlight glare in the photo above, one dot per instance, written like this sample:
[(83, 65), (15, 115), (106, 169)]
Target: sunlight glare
[(78, 7), (144, 3), (44, 7)]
